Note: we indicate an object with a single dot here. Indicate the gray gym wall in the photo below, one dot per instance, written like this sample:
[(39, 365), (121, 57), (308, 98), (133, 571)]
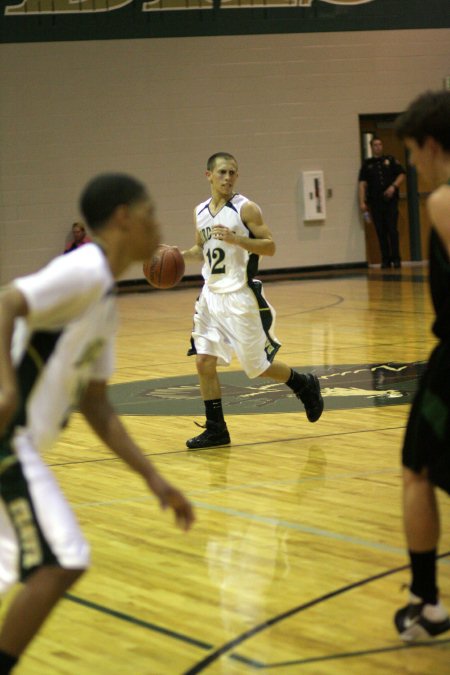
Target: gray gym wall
[(157, 108)]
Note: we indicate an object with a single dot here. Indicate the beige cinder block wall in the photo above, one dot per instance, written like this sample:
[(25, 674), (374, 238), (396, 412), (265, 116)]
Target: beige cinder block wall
[(159, 107)]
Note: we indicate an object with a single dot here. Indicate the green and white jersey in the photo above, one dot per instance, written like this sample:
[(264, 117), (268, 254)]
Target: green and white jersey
[(65, 341), (226, 267)]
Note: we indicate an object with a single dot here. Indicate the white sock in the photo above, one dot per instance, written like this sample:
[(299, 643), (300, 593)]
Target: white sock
[(435, 612), (431, 612)]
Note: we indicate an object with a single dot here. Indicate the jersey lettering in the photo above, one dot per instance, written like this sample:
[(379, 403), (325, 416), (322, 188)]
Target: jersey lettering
[(215, 258), (90, 353), (206, 234), (65, 6), (27, 7), (28, 535)]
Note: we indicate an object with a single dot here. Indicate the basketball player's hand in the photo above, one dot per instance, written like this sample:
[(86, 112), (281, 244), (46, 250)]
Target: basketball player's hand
[(170, 497), (224, 234)]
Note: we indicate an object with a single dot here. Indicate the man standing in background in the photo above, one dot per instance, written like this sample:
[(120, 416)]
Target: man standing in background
[(379, 180)]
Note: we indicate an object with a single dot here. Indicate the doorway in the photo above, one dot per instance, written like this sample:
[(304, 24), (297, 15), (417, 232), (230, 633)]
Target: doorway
[(413, 221)]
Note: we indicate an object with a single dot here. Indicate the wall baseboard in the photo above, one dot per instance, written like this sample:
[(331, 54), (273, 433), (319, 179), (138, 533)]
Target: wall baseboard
[(286, 274)]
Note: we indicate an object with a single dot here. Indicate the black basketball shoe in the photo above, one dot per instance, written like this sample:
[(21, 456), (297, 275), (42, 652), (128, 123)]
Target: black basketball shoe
[(413, 625), (311, 398), (215, 434)]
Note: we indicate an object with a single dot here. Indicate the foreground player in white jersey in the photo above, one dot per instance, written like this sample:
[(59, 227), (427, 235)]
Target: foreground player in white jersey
[(56, 351), (232, 314)]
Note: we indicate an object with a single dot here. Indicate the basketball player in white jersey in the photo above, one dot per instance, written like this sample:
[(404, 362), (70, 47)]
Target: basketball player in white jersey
[(232, 314), (56, 351)]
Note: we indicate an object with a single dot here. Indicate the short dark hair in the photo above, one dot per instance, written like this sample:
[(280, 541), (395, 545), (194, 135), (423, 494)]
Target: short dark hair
[(375, 138), (210, 164), (104, 193), (428, 115)]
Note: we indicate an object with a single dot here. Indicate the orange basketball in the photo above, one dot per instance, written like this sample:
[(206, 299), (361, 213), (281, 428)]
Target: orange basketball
[(166, 268)]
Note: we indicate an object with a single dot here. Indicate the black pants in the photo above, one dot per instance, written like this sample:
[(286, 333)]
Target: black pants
[(385, 218)]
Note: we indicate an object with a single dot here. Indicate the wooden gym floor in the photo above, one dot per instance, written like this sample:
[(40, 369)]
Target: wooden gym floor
[(297, 559)]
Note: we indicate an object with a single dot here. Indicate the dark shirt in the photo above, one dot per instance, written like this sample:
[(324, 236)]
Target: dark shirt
[(379, 173), (73, 245), (440, 285)]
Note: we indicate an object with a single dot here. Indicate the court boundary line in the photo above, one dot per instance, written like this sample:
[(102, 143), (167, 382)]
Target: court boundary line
[(231, 644), (137, 622), (335, 657), (201, 665), (184, 451)]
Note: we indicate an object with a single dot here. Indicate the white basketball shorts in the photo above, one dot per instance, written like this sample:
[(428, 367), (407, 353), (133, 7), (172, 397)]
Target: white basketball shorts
[(37, 526), (239, 322)]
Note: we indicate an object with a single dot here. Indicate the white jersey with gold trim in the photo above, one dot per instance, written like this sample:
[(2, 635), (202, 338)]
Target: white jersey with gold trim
[(65, 340), (226, 267)]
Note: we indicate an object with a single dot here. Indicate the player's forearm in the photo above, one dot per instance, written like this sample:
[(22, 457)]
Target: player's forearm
[(258, 246), (107, 425), (193, 254), (7, 318), (12, 305)]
